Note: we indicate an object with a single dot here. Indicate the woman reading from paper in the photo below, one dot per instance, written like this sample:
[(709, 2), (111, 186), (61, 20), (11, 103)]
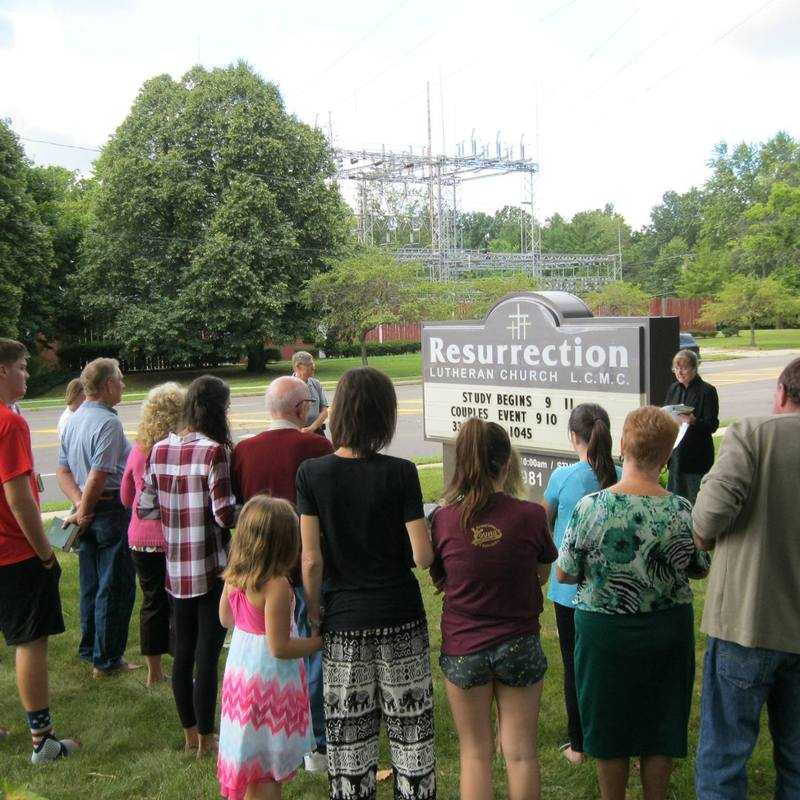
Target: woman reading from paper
[(694, 455)]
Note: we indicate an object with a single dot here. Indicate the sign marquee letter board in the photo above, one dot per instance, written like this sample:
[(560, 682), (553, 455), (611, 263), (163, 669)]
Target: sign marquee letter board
[(529, 363)]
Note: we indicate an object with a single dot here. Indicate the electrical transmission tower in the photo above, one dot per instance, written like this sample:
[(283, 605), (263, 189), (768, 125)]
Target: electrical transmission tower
[(442, 176)]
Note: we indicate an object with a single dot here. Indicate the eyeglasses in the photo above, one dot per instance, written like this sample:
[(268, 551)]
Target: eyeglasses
[(307, 400)]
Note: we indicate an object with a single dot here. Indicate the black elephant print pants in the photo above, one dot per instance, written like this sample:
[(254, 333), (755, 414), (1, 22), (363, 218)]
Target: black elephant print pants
[(372, 675)]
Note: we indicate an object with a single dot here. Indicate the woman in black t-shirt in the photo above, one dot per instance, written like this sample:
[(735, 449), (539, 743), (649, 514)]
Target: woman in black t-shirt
[(363, 528)]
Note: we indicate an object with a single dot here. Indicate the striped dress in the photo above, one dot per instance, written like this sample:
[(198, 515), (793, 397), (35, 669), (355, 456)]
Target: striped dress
[(265, 728)]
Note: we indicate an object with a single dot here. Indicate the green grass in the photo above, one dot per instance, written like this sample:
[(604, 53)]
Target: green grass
[(407, 366), (59, 505), (785, 339), (132, 739)]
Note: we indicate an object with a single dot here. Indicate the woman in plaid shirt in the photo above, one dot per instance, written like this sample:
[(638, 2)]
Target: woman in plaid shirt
[(187, 485)]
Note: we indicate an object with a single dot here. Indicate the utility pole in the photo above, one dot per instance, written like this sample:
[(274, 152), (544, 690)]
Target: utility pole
[(431, 216)]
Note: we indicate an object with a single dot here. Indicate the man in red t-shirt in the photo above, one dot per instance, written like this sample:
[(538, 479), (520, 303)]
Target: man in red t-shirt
[(30, 605), (268, 464)]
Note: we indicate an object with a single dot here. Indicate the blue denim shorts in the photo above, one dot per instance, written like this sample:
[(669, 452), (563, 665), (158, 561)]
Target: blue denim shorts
[(516, 662)]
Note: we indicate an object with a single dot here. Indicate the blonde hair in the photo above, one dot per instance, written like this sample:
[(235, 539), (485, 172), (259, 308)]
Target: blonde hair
[(648, 436), (162, 412), (96, 373), (74, 391), (266, 544)]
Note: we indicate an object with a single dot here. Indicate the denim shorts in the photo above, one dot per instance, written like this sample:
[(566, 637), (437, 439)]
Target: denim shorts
[(516, 662)]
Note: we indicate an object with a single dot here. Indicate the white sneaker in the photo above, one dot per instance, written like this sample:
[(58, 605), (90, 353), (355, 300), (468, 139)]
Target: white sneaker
[(315, 762), (53, 749)]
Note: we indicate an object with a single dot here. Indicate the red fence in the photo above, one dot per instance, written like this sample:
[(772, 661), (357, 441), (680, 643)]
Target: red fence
[(402, 332), (687, 308)]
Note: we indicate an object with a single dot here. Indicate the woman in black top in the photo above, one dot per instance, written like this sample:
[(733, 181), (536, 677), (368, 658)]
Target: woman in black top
[(694, 456), (363, 528)]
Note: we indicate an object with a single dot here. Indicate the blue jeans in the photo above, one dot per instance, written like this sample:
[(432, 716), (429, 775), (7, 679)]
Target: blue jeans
[(314, 670), (737, 681), (107, 586)]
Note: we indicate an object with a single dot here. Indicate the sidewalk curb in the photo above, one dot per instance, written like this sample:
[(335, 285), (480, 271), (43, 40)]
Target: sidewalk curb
[(254, 392)]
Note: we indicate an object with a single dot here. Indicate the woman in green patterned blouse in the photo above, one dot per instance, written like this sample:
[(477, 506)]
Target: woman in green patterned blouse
[(630, 550)]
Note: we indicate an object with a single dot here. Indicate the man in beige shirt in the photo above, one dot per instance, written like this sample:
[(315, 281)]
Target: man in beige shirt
[(747, 509)]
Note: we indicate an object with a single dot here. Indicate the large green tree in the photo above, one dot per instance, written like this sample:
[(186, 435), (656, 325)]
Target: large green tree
[(365, 290), (214, 207)]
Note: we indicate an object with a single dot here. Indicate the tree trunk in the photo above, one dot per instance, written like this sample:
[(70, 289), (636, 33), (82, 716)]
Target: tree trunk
[(256, 358), (752, 334), (364, 349)]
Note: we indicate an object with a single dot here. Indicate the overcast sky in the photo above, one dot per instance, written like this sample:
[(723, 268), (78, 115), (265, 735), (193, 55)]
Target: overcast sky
[(619, 100)]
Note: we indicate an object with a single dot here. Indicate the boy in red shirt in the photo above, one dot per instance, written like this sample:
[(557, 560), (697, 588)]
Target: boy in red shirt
[(30, 605)]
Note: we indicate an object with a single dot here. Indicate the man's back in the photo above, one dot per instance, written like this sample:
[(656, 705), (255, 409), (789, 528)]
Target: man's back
[(268, 463), (750, 501)]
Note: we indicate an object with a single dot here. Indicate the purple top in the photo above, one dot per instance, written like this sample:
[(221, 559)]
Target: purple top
[(246, 616), (141, 532)]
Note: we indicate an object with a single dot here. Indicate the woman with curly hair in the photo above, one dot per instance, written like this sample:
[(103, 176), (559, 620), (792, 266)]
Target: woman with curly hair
[(630, 550), (162, 411)]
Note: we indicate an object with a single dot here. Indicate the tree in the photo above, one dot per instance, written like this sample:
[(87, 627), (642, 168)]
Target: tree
[(618, 299), (26, 251), (213, 208), (366, 290), (595, 231), (772, 239), (705, 274), (747, 301), (63, 201)]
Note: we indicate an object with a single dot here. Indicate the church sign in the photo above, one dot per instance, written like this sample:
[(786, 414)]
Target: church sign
[(530, 362)]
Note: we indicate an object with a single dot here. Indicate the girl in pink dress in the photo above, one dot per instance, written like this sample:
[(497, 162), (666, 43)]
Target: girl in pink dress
[(265, 728)]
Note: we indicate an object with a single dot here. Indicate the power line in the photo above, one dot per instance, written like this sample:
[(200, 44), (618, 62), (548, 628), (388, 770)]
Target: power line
[(556, 11), (716, 41), (611, 36), (366, 36)]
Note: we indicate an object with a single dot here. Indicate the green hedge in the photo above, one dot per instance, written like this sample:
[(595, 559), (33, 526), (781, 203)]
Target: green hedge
[(373, 349)]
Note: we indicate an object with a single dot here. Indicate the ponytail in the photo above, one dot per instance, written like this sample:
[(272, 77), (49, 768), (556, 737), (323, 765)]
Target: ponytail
[(590, 423), (599, 455), (482, 451)]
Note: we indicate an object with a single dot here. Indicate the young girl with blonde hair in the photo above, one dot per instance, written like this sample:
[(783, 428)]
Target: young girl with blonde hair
[(265, 728)]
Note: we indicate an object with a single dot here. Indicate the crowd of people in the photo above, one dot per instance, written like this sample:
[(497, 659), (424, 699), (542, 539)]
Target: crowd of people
[(329, 633)]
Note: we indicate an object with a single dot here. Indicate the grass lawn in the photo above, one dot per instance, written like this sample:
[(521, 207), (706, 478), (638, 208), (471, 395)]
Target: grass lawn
[(784, 339), (132, 737), (407, 366)]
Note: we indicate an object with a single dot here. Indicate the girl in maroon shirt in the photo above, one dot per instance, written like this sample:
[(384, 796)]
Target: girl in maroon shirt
[(493, 553)]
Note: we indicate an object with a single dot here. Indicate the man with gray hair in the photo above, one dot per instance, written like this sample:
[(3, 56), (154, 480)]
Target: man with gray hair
[(91, 462), (268, 464)]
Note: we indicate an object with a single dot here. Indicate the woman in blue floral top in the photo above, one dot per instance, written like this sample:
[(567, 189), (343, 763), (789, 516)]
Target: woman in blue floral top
[(630, 550)]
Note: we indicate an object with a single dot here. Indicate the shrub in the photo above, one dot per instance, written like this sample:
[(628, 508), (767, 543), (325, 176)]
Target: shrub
[(272, 354), (373, 348)]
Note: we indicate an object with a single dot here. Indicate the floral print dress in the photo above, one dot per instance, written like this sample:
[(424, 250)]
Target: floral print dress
[(633, 553)]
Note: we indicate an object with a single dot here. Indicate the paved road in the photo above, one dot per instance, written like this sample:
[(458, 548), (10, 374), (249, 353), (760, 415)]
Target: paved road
[(745, 388)]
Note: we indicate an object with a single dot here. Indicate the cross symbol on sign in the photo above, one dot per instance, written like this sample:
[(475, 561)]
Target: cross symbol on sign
[(519, 325)]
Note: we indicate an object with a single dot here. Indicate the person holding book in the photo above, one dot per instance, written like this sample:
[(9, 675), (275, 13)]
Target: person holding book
[(694, 455), (162, 411), (91, 461), (30, 603)]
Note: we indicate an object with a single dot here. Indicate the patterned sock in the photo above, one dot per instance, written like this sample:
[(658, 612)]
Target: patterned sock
[(41, 723)]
